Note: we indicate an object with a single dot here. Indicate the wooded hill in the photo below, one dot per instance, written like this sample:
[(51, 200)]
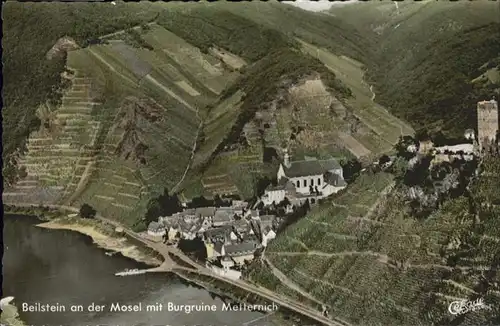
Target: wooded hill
[(426, 56)]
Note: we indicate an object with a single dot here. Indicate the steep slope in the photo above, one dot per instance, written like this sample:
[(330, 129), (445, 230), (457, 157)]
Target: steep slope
[(127, 126), (372, 263), (426, 55), (129, 104), (252, 114), (29, 31)]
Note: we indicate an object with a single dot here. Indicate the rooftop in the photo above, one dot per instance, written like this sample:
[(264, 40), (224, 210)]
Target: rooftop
[(240, 248), (310, 167), (154, 226), (223, 215), (220, 231), (205, 211), (335, 180)]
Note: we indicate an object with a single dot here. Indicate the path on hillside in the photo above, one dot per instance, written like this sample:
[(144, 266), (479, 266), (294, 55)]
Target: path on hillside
[(292, 285), (373, 94), (193, 151), (82, 183), (123, 30), (100, 58), (169, 92), (381, 257)]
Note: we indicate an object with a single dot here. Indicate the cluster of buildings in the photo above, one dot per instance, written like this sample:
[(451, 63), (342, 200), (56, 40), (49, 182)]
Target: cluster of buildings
[(485, 141), (231, 235), (310, 179)]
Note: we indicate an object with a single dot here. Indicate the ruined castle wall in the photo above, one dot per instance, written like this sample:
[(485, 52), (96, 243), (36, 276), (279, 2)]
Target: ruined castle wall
[(487, 119)]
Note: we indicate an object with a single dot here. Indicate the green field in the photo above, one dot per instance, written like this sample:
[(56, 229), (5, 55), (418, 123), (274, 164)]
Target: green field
[(385, 128), (378, 265)]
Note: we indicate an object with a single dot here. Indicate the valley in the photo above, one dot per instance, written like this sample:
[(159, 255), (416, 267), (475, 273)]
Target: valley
[(316, 123)]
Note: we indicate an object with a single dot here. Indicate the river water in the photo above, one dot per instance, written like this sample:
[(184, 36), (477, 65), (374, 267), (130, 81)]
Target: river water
[(63, 267)]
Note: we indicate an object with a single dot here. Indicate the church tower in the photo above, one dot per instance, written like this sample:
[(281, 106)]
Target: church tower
[(487, 124)]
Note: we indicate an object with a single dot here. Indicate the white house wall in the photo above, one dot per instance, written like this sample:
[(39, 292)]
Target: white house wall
[(241, 259), (276, 196), (308, 181), (231, 274)]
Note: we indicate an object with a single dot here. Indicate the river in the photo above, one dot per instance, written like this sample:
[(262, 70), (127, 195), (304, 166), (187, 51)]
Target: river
[(43, 266)]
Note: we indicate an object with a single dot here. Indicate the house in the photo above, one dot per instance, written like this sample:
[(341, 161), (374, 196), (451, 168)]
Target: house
[(239, 204), (310, 174), (221, 234), (425, 147), (214, 249), (276, 194), (268, 234), (232, 210), (240, 226), (252, 214), (266, 220), (333, 184), (190, 231), (250, 238), (223, 216), (412, 148), (241, 251), (205, 212), (172, 231), (189, 215), (156, 229), (227, 262)]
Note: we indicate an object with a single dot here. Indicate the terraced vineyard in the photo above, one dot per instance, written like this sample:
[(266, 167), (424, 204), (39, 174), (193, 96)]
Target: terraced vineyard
[(375, 264), (383, 128), (63, 151), (126, 128)]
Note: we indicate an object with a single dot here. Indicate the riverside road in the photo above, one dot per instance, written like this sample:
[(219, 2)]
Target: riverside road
[(170, 265)]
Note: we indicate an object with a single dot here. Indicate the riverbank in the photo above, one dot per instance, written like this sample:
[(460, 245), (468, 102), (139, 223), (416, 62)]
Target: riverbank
[(104, 237), (10, 316)]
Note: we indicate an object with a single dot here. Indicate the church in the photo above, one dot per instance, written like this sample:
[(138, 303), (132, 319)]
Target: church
[(311, 179)]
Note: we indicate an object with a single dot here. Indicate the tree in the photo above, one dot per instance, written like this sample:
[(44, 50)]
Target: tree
[(262, 184), (399, 167), (402, 146), (163, 205), (351, 170), (384, 159), (87, 211), (200, 201), (218, 202)]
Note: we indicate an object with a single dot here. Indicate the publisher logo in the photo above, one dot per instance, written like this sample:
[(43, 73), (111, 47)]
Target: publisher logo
[(463, 306)]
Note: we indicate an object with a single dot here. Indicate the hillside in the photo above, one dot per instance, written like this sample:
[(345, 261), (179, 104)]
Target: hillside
[(426, 56), (372, 263), (126, 107), (29, 32)]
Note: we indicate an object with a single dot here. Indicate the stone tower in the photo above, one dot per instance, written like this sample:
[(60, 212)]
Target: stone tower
[(487, 124), (286, 158)]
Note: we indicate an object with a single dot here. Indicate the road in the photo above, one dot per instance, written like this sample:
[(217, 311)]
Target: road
[(170, 265)]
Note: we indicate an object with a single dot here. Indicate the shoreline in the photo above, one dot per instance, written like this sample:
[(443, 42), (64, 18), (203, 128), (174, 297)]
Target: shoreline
[(117, 243)]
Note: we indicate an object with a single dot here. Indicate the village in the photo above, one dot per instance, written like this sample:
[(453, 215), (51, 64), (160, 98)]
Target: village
[(232, 235)]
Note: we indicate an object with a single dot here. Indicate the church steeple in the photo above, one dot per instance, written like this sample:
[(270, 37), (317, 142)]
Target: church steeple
[(286, 158)]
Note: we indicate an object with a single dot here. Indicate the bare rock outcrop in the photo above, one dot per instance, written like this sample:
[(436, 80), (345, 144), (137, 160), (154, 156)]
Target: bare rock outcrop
[(63, 45)]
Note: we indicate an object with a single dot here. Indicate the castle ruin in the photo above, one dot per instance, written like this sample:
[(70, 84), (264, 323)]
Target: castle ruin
[(487, 125)]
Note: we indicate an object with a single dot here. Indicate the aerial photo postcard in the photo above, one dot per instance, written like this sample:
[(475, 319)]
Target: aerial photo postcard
[(256, 163)]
